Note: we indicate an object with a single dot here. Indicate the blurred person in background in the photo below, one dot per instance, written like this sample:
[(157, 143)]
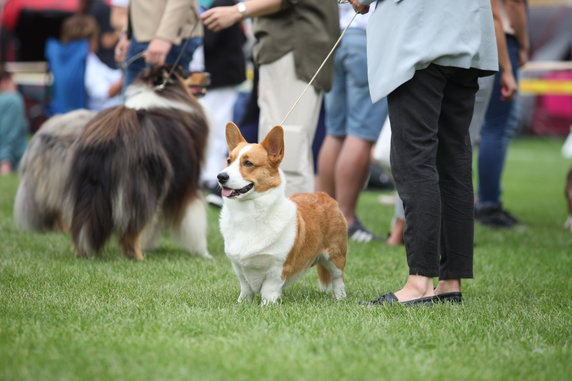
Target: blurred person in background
[(498, 128), (101, 83), (108, 35), (224, 60), (353, 124), (159, 31), (13, 124), (293, 39)]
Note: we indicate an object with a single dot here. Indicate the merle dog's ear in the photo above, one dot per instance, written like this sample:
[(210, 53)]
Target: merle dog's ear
[(233, 136), (273, 143)]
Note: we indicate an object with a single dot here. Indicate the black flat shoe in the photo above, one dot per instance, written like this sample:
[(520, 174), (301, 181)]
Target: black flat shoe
[(390, 298), (450, 297)]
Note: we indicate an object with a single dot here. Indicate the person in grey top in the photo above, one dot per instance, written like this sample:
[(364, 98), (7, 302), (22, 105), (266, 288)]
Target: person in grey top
[(426, 57)]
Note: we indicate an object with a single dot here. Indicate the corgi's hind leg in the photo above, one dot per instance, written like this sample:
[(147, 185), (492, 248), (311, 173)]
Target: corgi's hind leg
[(324, 277), (331, 272), (192, 231), (130, 246)]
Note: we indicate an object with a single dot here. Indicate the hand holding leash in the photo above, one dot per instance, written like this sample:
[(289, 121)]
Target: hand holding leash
[(358, 7)]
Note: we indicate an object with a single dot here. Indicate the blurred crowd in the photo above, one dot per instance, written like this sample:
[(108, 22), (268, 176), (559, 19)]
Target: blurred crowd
[(261, 54)]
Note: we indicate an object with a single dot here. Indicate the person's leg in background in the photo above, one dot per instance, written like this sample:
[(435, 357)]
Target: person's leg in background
[(336, 113), (353, 124), (482, 100), (279, 88), (495, 137), (397, 224)]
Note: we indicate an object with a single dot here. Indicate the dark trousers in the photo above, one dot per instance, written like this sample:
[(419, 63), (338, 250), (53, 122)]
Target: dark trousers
[(431, 161)]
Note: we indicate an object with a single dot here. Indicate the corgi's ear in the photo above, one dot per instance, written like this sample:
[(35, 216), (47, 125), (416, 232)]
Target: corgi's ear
[(233, 136), (274, 144)]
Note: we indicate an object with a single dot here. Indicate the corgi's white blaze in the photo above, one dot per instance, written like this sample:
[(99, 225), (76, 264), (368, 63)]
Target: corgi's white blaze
[(259, 232), (235, 180)]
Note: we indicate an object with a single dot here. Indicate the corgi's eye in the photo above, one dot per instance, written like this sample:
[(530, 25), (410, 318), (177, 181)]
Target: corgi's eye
[(247, 163), (228, 160)]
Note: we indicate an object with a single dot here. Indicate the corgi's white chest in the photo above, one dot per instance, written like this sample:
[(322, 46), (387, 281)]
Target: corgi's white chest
[(252, 231)]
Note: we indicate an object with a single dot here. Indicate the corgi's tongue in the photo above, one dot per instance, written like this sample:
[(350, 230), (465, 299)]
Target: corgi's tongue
[(226, 192)]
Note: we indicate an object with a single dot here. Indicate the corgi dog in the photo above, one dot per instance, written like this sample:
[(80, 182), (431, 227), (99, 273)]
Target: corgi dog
[(271, 240)]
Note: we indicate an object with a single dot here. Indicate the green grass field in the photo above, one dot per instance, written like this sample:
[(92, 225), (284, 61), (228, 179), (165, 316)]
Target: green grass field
[(175, 316)]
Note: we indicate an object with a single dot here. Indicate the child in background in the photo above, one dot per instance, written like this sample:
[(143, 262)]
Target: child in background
[(13, 124), (102, 84)]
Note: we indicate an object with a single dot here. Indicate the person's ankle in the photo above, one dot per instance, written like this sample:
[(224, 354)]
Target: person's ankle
[(350, 219), (417, 286), (448, 285)]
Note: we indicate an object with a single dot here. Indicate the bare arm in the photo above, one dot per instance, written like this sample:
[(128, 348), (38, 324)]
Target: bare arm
[(219, 18), (507, 80), (517, 14)]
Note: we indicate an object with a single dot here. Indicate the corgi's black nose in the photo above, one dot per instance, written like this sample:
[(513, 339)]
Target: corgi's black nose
[(222, 177)]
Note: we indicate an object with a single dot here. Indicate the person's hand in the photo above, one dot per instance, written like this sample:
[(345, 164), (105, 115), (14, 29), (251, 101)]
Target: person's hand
[(157, 51), (509, 86), (359, 7), (219, 18), (115, 88), (121, 48)]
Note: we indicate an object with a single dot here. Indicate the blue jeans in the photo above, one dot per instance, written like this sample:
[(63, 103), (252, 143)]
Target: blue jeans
[(495, 135), (349, 110), (139, 64)]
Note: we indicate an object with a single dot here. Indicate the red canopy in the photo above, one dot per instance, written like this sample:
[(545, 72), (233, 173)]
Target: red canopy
[(12, 8)]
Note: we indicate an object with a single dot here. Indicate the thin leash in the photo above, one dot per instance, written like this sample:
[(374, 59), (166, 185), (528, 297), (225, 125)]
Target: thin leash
[(125, 64), (321, 66)]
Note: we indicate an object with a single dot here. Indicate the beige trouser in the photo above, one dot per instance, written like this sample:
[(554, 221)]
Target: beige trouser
[(278, 90)]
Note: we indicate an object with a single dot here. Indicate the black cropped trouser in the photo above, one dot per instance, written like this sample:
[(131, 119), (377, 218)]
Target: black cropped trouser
[(431, 161)]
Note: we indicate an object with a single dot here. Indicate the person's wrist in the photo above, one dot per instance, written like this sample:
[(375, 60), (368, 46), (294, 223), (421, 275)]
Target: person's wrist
[(241, 7)]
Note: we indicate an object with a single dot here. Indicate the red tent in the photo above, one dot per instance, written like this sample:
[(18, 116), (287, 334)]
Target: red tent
[(26, 24), (13, 8)]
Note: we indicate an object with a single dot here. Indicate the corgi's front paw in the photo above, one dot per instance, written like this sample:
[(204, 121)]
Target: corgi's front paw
[(270, 300), (244, 296), (340, 294)]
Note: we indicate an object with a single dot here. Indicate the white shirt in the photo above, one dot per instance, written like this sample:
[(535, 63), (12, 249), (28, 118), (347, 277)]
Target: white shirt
[(98, 79)]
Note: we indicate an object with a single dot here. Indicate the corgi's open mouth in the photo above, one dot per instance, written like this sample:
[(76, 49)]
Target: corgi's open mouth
[(228, 192)]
